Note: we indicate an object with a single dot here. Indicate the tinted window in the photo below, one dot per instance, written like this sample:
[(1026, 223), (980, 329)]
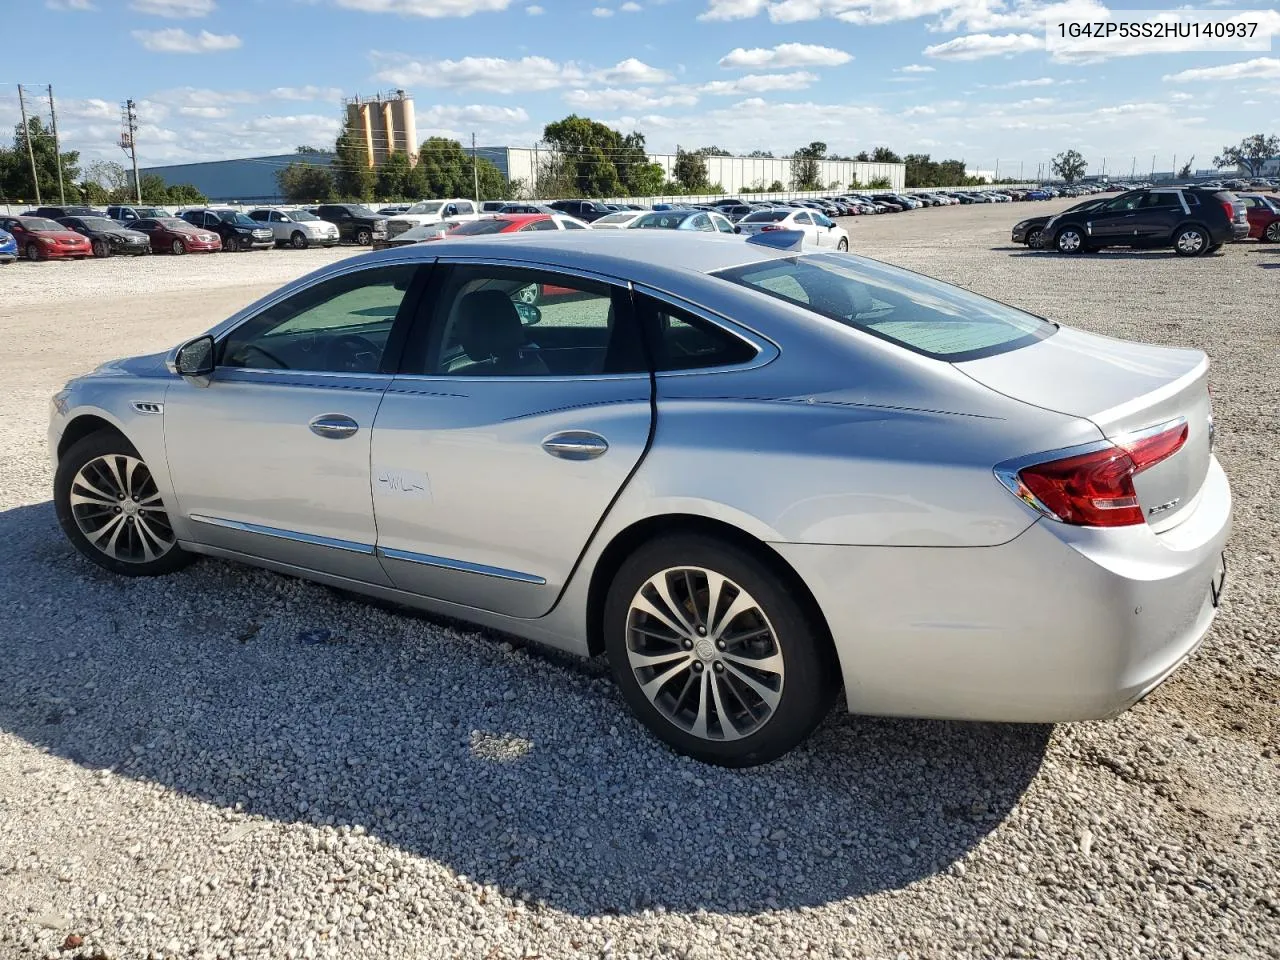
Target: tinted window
[(666, 220), (916, 312), (539, 225), (572, 225), (262, 216), (703, 222), (1128, 201), (338, 326), (477, 227), (505, 322), (145, 225), (766, 216), (803, 218), (1161, 201), (681, 341), (723, 225)]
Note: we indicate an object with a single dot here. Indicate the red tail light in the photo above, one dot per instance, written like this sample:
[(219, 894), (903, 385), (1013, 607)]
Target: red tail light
[(1094, 488), (769, 227), (1228, 206)]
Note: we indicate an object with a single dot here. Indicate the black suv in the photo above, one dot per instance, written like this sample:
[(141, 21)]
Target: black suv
[(1191, 220), (588, 210), (356, 222), (57, 213), (237, 231)]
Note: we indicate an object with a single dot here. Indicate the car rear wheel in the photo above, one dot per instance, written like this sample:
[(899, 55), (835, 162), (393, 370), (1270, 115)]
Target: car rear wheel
[(33, 252), (1069, 240), (231, 244), (100, 248), (1273, 232), (843, 245), (714, 654), (1190, 242), (364, 236), (298, 240), (110, 508), (178, 247)]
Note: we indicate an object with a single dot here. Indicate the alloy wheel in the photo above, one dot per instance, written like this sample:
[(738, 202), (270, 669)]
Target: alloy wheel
[(1190, 242), (298, 241), (117, 507), (704, 653), (179, 247), (1033, 238), (1273, 232), (1070, 241)]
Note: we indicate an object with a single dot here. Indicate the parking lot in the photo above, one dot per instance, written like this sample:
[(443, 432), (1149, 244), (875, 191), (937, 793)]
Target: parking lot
[(184, 773)]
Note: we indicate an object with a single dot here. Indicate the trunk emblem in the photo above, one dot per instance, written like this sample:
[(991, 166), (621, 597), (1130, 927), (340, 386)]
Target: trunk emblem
[(1164, 507)]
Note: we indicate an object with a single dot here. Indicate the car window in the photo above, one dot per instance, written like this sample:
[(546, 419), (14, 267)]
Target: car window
[(572, 225), (145, 225), (539, 225), (260, 215), (681, 341), (822, 221), (1160, 201), (804, 218), (913, 311), (702, 222), (495, 321), (1128, 201), (723, 225), (465, 207), (340, 325)]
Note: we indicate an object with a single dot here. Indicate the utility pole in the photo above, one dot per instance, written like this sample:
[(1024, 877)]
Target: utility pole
[(128, 143), (1133, 168), (57, 148), (31, 153), (475, 167)]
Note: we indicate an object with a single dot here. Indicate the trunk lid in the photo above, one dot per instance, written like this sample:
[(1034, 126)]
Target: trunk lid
[(1122, 388)]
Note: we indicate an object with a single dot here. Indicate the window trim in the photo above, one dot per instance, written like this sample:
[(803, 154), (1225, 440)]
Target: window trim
[(766, 350)]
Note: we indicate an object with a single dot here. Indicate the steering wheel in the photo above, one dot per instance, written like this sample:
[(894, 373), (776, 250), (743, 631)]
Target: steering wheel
[(352, 353), (280, 364)]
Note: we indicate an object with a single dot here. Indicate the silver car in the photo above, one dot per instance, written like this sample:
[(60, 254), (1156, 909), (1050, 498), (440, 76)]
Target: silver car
[(751, 476), (297, 228)]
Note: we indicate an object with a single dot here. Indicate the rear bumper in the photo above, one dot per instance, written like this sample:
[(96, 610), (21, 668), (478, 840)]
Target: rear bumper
[(1061, 623), (1239, 231)]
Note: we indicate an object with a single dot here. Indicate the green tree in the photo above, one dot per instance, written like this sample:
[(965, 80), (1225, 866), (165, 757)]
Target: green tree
[(15, 166), (768, 154), (306, 149), (880, 183), (445, 169), (775, 187), (154, 189), (108, 174), (303, 182), (646, 180), (392, 177), (591, 153), (690, 171), (884, 155), (1184, 172), (185, 194), (806, 171), (1249, 154), (713, 152), (1069, 165), (863, 157), (94, 194), (353, 177)]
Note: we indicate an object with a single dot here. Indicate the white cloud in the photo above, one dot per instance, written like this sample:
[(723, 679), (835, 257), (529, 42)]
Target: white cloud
[(639, 98), (1261, 68), (534, 10), (175, 9), (977, 46), (204, 113), (786, 55), (473, 114), (1180, 97), (90, 109), (176, 40), (308, 92), (200, 97), (631, 7), (760, 83), (733, 9), (433, 9), (916, 68), (632, 70), (601, 12), (951, 15), (493, 74)]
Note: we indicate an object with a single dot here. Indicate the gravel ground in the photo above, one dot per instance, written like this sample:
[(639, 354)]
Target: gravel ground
[(183, 775)]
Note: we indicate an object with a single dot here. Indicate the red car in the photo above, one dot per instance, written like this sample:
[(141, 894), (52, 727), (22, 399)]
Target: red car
[(1264, 216), (42, 239), (521, 223), (173, 235)]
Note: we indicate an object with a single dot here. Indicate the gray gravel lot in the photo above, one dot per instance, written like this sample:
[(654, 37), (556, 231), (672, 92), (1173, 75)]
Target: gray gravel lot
[(182, 776)]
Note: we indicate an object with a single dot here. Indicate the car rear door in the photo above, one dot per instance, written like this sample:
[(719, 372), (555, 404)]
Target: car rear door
[(524, 406), (1158, 213)]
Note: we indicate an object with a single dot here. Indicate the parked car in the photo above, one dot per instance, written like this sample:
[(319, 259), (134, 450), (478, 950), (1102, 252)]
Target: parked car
[(588, 211), (625, 476), (514, 223), (1028, 231), (39, 238), (525, 206), (1263, 214), (127, 215), (688, 219), (428, 231), (1191, 221), (107, 237), (356, 223), (57, 213), (733, 212), (819, 231), (493, 206), (297, 228), (393, 210), (8, 248), (177, 236), (617, 221), (431, 211), (235, 229)]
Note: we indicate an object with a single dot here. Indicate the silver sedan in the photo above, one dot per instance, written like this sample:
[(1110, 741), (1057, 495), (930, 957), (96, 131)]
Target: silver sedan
[(750, 476)]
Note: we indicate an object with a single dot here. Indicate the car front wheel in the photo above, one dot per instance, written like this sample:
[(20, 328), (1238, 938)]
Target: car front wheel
[(843, 245), (1190, 242), (110, 508), (714, 653), (298, 240), (1033, 239)]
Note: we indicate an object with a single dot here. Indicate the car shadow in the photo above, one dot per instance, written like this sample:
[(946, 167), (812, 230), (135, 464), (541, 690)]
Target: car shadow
[(1112, 253), (435, 740)]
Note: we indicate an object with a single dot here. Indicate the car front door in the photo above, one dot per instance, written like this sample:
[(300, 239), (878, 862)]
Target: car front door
[(825, 230), (1114, 222), (269, 455), (804, 222), (1158, 213), (523, 410)]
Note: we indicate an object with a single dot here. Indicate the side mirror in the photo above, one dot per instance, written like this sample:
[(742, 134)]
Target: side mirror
[(831, 226), (195, 357), (529, 314)]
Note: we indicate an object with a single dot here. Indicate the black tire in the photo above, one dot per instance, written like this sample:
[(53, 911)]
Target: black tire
[(843, 245), (33, 252), (100, 249), (1191, 241), (1069, 240), (107, 443), (810, 678), (298, 240), (1033, 238), (364, 237), (231, 244), (178, 247), (1273, 232)]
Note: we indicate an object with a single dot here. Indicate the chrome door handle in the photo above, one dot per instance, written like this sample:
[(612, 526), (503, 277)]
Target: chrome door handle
[(575, 445), (333, 426)]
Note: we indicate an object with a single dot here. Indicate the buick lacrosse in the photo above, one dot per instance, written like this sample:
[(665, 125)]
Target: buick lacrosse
[(751, 475)]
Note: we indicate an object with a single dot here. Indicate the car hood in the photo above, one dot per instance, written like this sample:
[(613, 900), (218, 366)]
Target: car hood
[(59, 235), (151, 365)]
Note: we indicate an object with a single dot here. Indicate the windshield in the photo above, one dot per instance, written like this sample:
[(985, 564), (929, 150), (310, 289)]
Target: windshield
[(299, 216), (913, 311), (667, 220), (476, 227), (151, 212), (766, 216), (617, 218), (40, 223), (427, 206), (239, 219)]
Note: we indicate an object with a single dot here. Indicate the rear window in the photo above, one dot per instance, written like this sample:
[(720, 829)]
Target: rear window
[(476, 227), (766, 216), (913, 311)]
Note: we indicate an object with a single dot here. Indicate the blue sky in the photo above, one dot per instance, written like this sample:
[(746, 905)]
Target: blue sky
[(969, 79)]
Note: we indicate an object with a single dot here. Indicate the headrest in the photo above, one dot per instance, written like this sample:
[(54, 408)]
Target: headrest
[(489, 325)]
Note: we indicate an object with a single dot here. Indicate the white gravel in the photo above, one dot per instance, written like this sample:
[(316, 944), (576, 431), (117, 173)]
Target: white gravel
[(182, 776)]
